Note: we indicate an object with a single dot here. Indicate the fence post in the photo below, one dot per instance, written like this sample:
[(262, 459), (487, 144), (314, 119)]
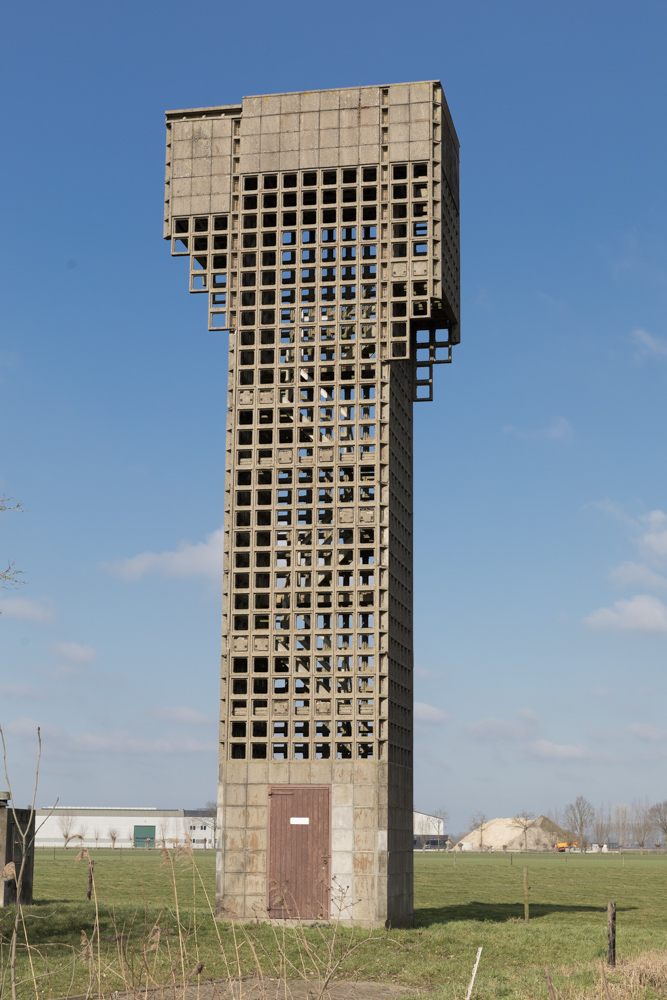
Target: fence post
[(611, 933)]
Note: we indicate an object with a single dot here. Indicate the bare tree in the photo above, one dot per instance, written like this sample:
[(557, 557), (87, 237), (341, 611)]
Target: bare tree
[(523, 820), (430, 829), (620, 823), (443, 816), (9, 578), (165, 831), (554, 816), (602, 825), (578, 817), (642, 823), (113, 835), (66, 822), (478, 821), (659, 815), (96, 834), (434, 826), (212, 813)]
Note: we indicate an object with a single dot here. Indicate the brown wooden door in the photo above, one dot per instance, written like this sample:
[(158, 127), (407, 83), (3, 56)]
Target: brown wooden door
[(298, 876)]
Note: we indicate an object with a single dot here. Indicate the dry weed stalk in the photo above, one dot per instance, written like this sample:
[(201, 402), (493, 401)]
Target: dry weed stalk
[(318, 962), (605, 984), (648, 969), (550, 985), (84, 855), (168, 861), (8, 873), (629, 980)]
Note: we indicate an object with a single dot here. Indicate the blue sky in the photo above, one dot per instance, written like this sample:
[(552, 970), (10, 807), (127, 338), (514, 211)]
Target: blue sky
[(540, 478)]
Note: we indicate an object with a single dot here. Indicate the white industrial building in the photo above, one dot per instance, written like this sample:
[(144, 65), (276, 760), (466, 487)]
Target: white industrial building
[(131, 827)]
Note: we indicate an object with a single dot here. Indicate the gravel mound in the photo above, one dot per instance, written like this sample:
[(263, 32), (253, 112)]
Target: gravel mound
[(509, 835)]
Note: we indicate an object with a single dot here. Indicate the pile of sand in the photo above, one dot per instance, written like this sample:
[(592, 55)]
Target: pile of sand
[(508, 835)]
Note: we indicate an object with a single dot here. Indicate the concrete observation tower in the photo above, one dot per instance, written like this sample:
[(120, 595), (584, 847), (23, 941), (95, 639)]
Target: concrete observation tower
[(323, 229)]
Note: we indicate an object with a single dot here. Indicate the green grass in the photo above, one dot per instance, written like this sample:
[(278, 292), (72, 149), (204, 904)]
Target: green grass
[(479, 901), (460, 904), (129, 876)]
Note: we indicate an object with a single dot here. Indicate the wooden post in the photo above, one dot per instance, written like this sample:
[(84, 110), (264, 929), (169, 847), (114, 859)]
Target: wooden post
[(526, 909), (611, 934)]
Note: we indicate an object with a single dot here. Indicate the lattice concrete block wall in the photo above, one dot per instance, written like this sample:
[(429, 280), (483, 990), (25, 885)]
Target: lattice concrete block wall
[(323, 228)]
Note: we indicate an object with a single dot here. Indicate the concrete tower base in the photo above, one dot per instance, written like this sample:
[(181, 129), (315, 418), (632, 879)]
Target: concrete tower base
[(371, 867)]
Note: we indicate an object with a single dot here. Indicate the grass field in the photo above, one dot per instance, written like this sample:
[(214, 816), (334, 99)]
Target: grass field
[(460, 904)]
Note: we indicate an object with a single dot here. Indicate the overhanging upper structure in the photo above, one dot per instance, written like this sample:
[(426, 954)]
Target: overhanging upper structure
[(323, 229)]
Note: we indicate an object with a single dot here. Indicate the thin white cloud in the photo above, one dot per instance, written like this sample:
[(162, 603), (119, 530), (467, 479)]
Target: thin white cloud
[(181, 715), (201, 559), (637, 574), (650, 346), (648, 733), (654, 540), (424, 673), (545, 750), (559, 429), (73, 659), (611, 508), (493, 730), (649, 530), (75, 653), (40, 612), (524, 732), (655, 520), (19, 691), (429, 715), (643, 613), (604, 734), (65, 743)]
